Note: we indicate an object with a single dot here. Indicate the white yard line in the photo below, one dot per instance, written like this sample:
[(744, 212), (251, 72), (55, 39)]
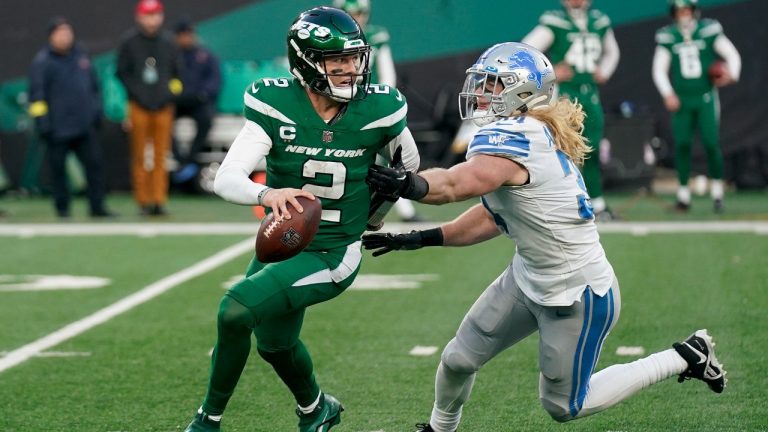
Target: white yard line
[(155, 229), (149, 292)]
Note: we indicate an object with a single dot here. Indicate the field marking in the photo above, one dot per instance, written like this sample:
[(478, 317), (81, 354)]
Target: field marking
[(156, 229), (381, 282), (57, 354), (27, 283), (147, 293), (630, 351), (422, 351)]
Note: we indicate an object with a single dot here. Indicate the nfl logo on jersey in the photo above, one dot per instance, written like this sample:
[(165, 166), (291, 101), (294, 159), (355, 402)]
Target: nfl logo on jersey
[(327, 136)]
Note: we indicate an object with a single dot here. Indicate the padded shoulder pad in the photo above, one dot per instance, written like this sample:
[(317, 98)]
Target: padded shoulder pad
[(509, 138), (555, 18), (263, 98), (386, 107)]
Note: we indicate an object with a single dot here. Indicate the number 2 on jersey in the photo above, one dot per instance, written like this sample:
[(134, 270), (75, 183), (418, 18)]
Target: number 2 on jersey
[(338, 173)]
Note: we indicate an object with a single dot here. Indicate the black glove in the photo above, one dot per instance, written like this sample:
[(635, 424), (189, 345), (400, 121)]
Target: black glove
[(397, 182), (382, 243)]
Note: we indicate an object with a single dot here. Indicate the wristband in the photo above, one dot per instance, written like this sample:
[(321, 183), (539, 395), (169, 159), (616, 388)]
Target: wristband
[(261, 194), (432, 237), (416, 187)]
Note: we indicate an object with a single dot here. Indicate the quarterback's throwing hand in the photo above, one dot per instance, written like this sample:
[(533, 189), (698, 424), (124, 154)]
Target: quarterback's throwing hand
[(382, 243)]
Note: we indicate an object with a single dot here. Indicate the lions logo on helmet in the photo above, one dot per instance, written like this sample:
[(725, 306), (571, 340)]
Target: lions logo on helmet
[(324, 32), (508, 78)]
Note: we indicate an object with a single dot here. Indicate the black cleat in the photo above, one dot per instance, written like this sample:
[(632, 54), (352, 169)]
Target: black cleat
[(717, 206), (699, 351), (424, 427), (682, 207)]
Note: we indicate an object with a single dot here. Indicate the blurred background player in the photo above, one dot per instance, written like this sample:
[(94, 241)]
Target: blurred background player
[(580, 42), (382, 72), (201, 77), (65, 102), (689, 49), (148, 66), (320, 133), (522, 164)]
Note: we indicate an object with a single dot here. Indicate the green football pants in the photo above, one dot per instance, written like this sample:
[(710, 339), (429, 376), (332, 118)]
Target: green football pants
[(702, 113), (594, 127), (270, 302)]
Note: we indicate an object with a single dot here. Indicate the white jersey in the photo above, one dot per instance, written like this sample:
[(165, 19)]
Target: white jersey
[(550, 218)]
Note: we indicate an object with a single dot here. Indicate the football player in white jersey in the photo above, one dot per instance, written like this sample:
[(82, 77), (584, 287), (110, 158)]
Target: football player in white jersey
[(523, 164)]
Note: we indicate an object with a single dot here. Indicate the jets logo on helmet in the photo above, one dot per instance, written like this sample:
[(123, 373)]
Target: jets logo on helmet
[(508, 78), (325, 33)]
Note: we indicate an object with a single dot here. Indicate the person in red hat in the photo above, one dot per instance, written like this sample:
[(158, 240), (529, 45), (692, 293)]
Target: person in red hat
[(149, 68)]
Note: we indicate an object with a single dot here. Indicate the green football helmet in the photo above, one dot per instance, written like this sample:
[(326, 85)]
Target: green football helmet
[(321, 33), (353, 6), (683, 3), (679, 4)]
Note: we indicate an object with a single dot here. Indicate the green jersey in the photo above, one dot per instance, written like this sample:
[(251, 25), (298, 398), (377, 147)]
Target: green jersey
[(377, 37), (692, 55), (581, 48), (329, 160)]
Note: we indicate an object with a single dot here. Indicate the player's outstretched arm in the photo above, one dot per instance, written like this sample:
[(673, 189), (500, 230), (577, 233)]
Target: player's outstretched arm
[(473, 226), (476, 177)]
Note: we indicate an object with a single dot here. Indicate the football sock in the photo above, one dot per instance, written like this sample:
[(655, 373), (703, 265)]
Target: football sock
[(452, 389), (294, 366), (598, 204), (716, 189), (216, 418), (684, 195), (618, 382), (312, 406), (235, 323), (405, 208)]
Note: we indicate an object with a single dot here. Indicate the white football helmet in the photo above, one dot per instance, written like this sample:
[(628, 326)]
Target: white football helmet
[(508, 78)]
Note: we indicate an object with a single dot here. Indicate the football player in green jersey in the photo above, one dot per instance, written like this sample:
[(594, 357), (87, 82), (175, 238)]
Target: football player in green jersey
[(580, 42), (382, 72), (686, 50), (319, 131)]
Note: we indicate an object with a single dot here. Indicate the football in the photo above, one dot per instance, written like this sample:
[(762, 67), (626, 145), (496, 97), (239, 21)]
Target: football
[(717, 70), (281, 239)]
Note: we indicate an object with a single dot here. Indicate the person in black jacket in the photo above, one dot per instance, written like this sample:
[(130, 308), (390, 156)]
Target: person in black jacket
[(65, 102), (202, 81), (148, 66)]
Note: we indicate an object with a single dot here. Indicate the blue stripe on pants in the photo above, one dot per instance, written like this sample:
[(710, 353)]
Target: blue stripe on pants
[(598, 315)]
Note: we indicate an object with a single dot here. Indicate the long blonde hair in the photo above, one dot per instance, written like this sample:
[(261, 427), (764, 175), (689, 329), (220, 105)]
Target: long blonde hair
[(565, 119)]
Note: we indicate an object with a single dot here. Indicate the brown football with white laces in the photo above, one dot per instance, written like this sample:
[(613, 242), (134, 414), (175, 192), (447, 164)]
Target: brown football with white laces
[(280, 239)]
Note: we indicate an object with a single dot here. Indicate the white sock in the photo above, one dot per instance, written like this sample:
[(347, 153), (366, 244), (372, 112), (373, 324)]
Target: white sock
[(405, 208), (598, 204), (684, 194), (312, 406), (716, 189), (452, 390), (216, 418), (618, 382)]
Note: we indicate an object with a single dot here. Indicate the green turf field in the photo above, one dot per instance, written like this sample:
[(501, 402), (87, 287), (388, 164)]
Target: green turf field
[(146, 369)]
